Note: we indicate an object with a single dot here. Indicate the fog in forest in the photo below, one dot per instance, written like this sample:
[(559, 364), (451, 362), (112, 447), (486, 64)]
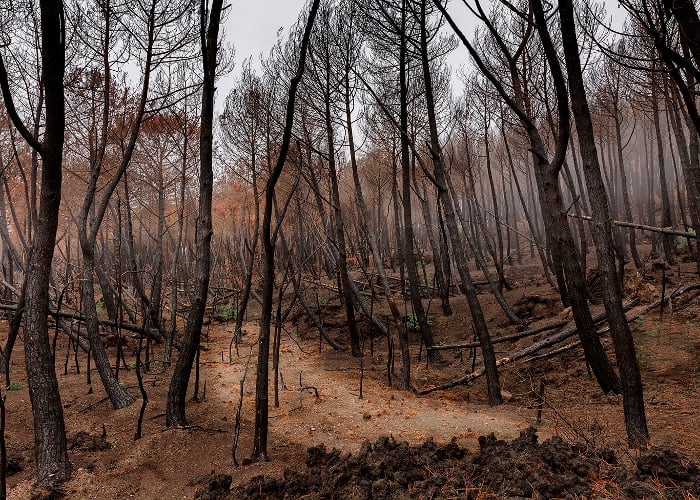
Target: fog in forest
[(434, 177)]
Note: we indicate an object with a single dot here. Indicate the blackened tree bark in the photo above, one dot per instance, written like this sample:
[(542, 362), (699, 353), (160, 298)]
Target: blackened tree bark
[(559, 238), (630, 377), (405, 376), (243, 123), (447, 203), (268, 240), (409, 238), (553, 210), (324, 68), (88, 226), (50, 447), (686, 15), (534, 233), (688, 153), (339, 229), (11, 257), (209, 39), (498, 260), (439, 276), (625, 188), (470, 236), (666, 219)]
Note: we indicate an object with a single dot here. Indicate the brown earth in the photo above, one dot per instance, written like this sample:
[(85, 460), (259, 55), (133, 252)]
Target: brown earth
[(175, 463)]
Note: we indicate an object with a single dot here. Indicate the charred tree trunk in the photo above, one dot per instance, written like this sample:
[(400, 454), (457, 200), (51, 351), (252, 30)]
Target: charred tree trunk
[(409, 254), (559, 235), (268, 239), (177, 392), (631, 381), (498, 257), (339, 230), (52, 464), (468, 288), (250, 263), (405, 377), (688, 154), (439, 276), (116, 393), (666, 218), (625, 188)]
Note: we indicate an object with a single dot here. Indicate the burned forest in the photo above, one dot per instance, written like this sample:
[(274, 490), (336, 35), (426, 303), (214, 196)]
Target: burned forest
[(410, 249)]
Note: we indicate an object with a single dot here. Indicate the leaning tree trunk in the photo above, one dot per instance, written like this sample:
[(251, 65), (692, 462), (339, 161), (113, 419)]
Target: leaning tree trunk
[(666, 219), (11, 256), (498, 258), (559, 237), (262, 375), (630, 377), (396, 256), (534, 233), (625, 189), (52, 464), (405, 376), (118, 396), (580, 227), (409, 239), (688, 153), (481, 262), (339, 230), (562, 248), (439, 276), (249, 265), (467, 285), (177, 392)]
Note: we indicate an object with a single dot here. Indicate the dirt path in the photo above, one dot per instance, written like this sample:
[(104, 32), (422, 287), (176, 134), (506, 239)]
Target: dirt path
[(171, 462), (338, 417)]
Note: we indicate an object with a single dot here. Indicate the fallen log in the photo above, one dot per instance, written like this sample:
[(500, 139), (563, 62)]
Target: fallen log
[(504, 338), (335, 289), (642, 227), (678, 291), (112, 324), (522, 353)]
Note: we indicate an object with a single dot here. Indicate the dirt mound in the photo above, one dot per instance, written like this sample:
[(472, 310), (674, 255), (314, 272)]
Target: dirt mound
[(521, 468), (83, 440)]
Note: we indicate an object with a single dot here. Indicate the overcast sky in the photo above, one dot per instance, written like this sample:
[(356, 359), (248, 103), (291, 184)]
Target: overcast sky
[(252, 27)]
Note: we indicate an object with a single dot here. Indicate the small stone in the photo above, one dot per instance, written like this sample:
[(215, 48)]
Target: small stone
[(367, 415)]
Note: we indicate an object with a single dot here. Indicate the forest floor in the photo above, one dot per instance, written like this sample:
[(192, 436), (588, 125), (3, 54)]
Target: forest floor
[(578, 421)]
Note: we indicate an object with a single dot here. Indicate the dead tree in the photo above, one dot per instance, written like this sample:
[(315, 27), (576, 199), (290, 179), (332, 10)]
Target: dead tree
[(53, 466), (268, 238), (560, 242), (210, 23)]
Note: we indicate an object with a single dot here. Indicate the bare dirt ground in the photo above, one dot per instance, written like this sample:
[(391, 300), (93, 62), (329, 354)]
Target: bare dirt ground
[(175, 463)]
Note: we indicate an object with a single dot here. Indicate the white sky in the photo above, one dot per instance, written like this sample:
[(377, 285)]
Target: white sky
[(252, 27)]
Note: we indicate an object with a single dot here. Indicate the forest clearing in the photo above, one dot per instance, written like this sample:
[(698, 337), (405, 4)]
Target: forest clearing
[(351, 267), (179, 462)]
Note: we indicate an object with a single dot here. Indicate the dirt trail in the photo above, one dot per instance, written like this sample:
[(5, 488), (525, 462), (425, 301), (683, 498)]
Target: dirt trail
[(172, 462), (338, 417)]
